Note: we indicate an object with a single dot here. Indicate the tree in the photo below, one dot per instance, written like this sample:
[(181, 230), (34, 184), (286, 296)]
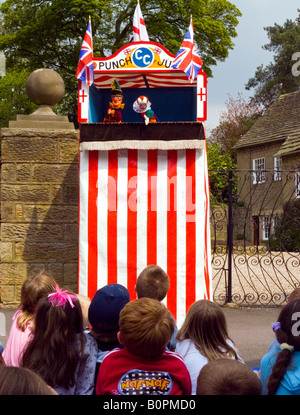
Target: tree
[(50, 32), (218, 165), (278, 77), (13, 97), (287, 231), (43, 33), (240, 115)]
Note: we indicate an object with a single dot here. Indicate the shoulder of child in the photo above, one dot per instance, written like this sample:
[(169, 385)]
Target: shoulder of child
[(16, 315), (113, 353), (91, 341), (173, 355)]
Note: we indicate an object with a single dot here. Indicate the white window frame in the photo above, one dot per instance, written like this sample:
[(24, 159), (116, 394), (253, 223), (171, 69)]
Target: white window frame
[(277, 168), (259, 164), (265, 228), (297, 184)]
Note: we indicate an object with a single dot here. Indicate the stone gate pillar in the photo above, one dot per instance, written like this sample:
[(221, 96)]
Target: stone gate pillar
[(39, 193)]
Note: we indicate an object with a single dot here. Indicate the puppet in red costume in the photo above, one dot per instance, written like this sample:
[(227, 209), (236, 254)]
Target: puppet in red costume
[(114, 114), (143, 107)]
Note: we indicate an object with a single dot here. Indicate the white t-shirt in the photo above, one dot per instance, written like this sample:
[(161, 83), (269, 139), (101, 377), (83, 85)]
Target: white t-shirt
[(194, 360)]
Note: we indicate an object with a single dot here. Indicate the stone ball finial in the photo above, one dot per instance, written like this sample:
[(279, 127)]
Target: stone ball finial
[(45, 87)]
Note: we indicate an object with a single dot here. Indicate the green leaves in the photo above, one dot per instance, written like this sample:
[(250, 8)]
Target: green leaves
[(13, 97), (41, 30), (277, 78), (217, 161)]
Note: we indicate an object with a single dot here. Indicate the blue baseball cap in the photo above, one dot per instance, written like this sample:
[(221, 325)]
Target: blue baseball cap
[(106, 305)]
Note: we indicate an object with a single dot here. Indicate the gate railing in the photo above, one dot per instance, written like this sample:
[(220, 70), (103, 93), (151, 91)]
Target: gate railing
[(255, 236)]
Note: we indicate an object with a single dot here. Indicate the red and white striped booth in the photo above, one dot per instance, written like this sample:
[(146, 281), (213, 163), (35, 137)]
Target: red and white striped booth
[(144, 190)]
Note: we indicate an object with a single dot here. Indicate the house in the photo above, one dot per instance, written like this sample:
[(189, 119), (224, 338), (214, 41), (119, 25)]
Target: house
[(268, 159)]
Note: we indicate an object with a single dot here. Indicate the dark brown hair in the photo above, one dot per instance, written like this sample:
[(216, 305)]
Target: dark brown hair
[(227, 377), (22, 381), (284, 335), (205, 325), (146, 326), (152, 282), (2, 363), (106, 333), (57, 344), (294, 295)]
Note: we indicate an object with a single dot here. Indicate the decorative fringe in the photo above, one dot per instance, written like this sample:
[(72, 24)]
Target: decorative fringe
[(142, 145)]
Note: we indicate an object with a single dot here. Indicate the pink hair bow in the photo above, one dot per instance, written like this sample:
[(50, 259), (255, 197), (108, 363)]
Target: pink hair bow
[(60, 297)]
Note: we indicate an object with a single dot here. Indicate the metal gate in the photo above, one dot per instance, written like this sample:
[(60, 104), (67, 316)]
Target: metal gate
[(255, 236)]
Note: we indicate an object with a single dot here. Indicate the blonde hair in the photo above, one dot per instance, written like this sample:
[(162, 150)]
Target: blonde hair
[(85, 303), (152, 282), (206, 326), (33, 289), (146, 326)]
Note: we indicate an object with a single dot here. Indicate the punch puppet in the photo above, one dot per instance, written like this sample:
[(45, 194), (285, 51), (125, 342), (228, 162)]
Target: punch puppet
[(114, 114)]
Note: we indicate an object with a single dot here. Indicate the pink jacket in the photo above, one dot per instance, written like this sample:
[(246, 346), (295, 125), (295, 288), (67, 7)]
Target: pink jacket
[(16, 342)]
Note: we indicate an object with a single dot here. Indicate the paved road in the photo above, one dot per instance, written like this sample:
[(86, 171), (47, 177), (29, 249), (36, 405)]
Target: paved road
[(251, 331), (249, 328)]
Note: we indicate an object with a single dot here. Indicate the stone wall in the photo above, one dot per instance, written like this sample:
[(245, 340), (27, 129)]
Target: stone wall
[(39, 208)]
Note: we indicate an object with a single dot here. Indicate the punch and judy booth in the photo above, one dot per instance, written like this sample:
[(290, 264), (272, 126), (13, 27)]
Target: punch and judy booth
[(144, 193)]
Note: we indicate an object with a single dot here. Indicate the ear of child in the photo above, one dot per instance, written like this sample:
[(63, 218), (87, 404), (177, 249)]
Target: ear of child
[(120, 338)]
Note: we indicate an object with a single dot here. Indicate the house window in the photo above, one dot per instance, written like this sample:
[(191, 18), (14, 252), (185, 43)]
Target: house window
[(259, 173), (275, 223), (297, 184), (265, 228), (277, 168)]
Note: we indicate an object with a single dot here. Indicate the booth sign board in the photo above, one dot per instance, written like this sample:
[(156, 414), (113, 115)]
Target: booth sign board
[(144, 68)]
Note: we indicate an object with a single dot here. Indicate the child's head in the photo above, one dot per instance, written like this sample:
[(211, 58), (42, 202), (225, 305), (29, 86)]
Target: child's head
[(205, 325), (294, 294), (85, 304), (288, 335), (104, 311), (227, 377), (22, 381), (152, 282), (58, 339), (146, 327), (33, 289), (59, 314)]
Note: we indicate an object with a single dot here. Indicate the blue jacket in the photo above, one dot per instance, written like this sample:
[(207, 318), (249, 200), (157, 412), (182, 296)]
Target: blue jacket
[(290, 384)]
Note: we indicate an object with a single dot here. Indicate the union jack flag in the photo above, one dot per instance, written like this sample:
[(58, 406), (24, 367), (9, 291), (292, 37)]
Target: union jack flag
[(187, 58), (85, 70)]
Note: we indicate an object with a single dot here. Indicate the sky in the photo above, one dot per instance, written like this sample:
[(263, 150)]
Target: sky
[(231, 76)]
